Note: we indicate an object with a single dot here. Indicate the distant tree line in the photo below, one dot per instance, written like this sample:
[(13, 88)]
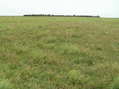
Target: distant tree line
[(62, 15)]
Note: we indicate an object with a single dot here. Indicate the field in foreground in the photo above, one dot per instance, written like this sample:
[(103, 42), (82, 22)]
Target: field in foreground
[(59, 53)]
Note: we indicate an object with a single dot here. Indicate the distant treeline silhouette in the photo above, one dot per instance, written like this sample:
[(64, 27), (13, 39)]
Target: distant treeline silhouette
[(62, 15)]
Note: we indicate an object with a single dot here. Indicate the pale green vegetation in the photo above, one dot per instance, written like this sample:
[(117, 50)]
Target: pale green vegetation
[(59, 53)]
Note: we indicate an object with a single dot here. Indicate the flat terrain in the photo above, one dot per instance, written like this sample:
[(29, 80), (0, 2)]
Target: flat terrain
[(59, 53)]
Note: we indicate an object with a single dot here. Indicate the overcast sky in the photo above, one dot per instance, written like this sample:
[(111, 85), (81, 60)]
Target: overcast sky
[(104, 8)]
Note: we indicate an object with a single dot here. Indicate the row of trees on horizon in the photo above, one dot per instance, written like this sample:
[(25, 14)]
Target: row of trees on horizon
[(62, 15)]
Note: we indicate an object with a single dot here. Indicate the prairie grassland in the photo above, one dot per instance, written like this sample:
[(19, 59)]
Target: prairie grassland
[(59, 53)]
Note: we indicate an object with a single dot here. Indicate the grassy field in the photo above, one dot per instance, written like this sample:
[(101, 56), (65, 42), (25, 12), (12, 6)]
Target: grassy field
[(59, 53)]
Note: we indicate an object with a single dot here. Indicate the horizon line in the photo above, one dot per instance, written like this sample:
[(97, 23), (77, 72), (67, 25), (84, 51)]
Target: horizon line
[(75, 15)]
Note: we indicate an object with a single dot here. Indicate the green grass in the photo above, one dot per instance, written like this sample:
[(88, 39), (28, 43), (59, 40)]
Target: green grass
[(59, 53)]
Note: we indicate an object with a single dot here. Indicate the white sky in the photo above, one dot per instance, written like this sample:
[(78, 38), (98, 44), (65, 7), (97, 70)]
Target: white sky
[(104, 8)]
